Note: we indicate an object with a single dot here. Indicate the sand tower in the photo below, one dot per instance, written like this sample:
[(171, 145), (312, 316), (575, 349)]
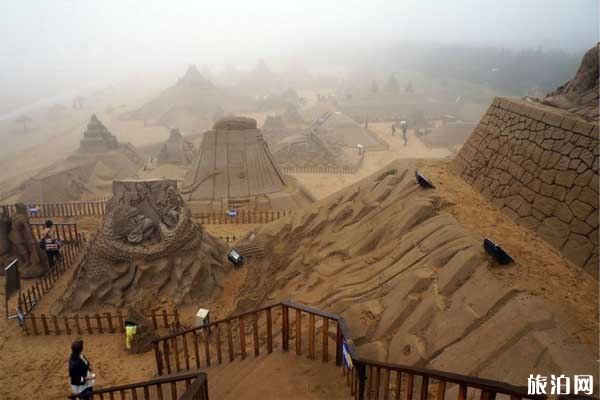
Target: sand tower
[(234, 169), (176, 150), (146, 250), (97, 138)]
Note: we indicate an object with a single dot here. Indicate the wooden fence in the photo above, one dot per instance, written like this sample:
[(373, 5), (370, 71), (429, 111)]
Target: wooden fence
[(93, 324), (228, 239), (319, 170), (320, 336), (65, 232), (30, 297), (67, 209), (190, 386), (243, 217), (11, 192)]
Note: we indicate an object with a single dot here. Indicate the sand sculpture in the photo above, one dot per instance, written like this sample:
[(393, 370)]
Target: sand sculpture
[(17, 241), (147, 249), (87, 172), (412, 285), (539, 164), (190, 104), (235, 169), (176, 150), (580, 95)]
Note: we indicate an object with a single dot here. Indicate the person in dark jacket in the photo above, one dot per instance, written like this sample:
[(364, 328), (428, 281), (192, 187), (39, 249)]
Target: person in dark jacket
[(80, 372), (52, 248)]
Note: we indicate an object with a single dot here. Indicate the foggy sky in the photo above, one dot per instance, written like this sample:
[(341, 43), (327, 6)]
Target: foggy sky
[(58, 44)]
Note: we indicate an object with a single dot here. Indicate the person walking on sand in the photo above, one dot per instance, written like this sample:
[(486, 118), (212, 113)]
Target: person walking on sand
[(80, 372), (404, 129)]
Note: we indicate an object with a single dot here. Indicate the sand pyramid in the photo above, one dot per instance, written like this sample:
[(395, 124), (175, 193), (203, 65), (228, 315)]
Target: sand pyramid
[(176, 150), (234, 164)]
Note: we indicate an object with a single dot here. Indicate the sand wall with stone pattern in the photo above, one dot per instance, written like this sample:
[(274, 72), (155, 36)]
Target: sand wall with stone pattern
[(540, 166)]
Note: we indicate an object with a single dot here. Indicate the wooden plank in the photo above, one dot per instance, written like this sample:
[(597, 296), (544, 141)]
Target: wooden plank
[(377, 383), (167, 355), (176, 353), (158, 357), (55, 323), (269, 332), (87, 324), (165, 318), (325, 355), (76, 318), (298, 332), (386, 384), (34, 325), (339, 338), (311, 336), (111, 328), (121, 319), (462, 392)]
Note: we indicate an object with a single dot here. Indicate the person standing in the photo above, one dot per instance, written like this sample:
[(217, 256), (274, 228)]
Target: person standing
[(52, 248), (393, 129), (404, 129), (80, 372)]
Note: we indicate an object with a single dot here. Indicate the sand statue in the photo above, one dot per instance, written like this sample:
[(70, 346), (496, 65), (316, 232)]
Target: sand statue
[(97, 138), (147, 249), (176, 150), (236, 169), (17, 241)]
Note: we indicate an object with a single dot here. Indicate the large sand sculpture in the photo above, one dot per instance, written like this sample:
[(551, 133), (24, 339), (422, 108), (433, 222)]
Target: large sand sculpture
[(146, 250), (539, 164), (234, 169), (413, 286), (189, 105), (176, 150), (87, 172)]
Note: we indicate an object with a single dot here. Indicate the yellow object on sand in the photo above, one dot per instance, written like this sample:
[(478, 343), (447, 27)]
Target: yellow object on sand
[(129, 333)]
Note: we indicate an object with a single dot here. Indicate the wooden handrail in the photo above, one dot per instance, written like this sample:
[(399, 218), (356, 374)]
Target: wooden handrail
[(199, 381), (356, 378)]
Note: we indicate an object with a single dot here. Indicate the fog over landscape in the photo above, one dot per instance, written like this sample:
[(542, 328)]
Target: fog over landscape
[(61, 46)]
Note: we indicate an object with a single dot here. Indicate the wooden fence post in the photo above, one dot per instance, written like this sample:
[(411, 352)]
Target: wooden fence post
[(285, 328)]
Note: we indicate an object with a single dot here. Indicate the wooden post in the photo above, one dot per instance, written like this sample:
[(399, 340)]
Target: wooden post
[(269, 332), (338, 345), (99, 323), (409, 387), (196, 350), (87, 324), (185, 352), (76, 318), (298, 332), (111, 329), (45, 325), (166, 355), (165, 318), (154, 322), (462, 391), (441, 390), (386, 384), (325, 355), (34, 325), (424, 386), (311, 336), (55, 323), (255, 333), (218, 341), (398, 384), (230, 341), (176, 354), (242, 337), (285, 328), (121, 321), (157, 356), (206, 336), (377, 383)]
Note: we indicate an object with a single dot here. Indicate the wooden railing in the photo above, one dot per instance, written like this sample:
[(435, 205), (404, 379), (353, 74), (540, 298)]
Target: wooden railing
[(32, 295), (66, 209), (319, 170), (190, 386), (93, 324), (243, 217), (11, 192), (320, 336), (65, 232)]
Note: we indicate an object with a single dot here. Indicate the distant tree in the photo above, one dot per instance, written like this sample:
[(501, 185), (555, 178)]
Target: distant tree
[(23, 120), (409, 87), (392, 86), (374, 87)]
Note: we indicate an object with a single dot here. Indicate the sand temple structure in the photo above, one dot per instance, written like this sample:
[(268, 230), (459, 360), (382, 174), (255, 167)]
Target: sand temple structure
[(147, 249), (176, 150), (87, 172), (235, 169)]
